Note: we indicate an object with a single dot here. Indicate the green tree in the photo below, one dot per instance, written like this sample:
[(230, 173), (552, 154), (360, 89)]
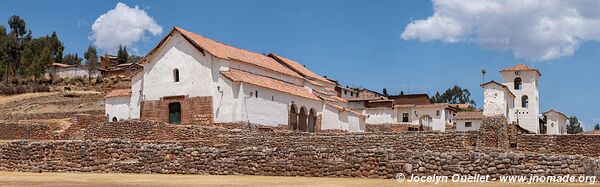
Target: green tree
[(91, 59), (122, 55), (17, 26), (597, 127), (72, 59), (384, 92), (134, 59), (574, 126), (56, 48), (24, 56), (454, 95)]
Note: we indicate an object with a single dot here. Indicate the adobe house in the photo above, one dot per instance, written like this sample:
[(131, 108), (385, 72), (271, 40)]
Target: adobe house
[(190, 79)]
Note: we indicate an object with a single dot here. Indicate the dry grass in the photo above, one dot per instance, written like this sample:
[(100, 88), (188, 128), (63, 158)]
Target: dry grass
[(117, 179), (12, 98)]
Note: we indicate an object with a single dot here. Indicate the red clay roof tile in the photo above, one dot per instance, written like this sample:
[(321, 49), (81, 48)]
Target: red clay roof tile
[(266, 82)]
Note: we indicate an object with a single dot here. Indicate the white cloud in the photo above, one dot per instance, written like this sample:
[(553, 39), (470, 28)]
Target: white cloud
[(122, 25), (531, 29)]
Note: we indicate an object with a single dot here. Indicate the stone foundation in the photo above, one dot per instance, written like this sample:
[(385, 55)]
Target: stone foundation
[(194, 110), (494, 132), (321, 157)]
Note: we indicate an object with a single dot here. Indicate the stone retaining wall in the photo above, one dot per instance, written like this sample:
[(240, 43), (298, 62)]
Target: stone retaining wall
[(393, 127), (322, 158), (58, 115), (16, 131), (577, 144)]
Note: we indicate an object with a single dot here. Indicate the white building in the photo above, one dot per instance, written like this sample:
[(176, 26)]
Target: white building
[(517, 98), (412, 109), (556, 122), (522, 81), (70, 71), (468, 121), (190, 79)]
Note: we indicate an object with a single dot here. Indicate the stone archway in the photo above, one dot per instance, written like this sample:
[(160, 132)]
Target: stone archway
[(293, 118), (302, 120), (425, 122), (312, 118)]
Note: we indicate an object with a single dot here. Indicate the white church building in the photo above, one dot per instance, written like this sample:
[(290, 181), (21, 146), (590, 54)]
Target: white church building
[(190, 79), (517, 98)]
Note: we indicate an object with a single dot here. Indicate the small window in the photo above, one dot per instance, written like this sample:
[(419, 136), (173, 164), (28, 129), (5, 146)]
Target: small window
[(345, 92), (437, 113), (272, 98), (468, 124), (256, 93), (114, 119), (351, 94), (176, 75), (404, 117), (518, 83), (525, 101)]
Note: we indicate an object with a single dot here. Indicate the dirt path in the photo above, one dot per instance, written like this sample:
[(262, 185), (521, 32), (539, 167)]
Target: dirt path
[(151, 180)]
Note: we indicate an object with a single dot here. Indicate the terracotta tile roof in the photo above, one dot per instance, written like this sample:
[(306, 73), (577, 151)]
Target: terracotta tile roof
[(266, 82), (468, 115), (299, 68), (340, 108), (560, 113), (502, 85), (521, 67), (366, 98), (461, 106), (118, 93), (224, 51)]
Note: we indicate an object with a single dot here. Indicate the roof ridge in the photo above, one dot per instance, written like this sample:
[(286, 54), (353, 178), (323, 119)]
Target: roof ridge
[(190, 32), (230, 68)]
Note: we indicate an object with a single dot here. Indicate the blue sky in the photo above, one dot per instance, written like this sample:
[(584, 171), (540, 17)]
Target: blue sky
[(356, 42)]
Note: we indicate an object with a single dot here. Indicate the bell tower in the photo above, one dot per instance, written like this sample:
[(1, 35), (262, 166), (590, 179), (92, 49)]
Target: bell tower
[(522, 81)]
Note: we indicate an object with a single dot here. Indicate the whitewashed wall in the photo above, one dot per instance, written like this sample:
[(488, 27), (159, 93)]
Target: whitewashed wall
[(438, 121), (331, 118), (117, 107), (271, 107), (381, 115), (527, 117), (475, 125), (494, 100), (556, 124), (194, 71), (356, 124), (136, 97)]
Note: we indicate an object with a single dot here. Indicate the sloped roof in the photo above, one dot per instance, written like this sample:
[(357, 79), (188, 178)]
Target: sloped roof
[(269, 83), (468, 115), (554, 111), (502, 85), (521, 67), (118, 93), (224, 51), (415, 99), (340, 108), (299, 68)]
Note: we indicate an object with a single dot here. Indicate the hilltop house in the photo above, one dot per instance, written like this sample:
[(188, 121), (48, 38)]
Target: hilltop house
[(70, 71), (190, 79)]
